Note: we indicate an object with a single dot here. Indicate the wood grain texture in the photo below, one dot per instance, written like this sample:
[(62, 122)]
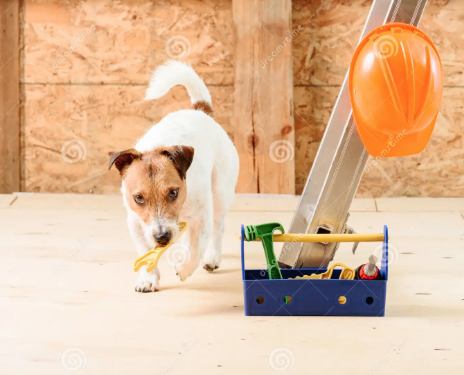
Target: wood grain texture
[(10, 167), (322, 54), (436, 172), (443, 23), (6, 200), (331, 31), (86, 67), (263, 126), (70, 131), (120, 41), (79, 293), (130, 38)]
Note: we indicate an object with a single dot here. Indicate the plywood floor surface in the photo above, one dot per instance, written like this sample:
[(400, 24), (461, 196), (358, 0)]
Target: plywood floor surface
[(67, 297)]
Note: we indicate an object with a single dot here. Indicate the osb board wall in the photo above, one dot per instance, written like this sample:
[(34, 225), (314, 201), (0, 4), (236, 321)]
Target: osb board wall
[(86, 66), (322, 54), (90, 100)]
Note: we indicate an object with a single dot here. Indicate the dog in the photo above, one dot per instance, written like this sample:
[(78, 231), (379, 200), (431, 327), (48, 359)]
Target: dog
[(184, 168)]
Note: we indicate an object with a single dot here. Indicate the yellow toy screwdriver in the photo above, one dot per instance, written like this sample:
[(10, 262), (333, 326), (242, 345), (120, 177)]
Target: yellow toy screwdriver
[(151, 258)]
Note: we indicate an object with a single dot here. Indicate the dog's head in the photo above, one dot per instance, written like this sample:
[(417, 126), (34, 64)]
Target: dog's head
[(154, 188)]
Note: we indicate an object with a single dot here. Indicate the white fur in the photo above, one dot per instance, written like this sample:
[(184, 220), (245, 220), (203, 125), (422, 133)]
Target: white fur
[(211, 178), (176, 73)]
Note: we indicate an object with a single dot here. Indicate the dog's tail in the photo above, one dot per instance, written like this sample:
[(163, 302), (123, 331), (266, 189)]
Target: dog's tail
[(176, 73)]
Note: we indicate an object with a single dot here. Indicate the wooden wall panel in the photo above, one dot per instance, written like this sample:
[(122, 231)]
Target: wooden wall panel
[(436, 172), (263, 126), (332, 29), (10, 160), (120, 41), (322, 56), (86, 67), (313, 106), (72, 130), (103, 80)]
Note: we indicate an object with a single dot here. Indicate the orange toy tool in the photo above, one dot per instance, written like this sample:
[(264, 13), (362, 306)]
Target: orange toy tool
[(151, 258), (396, 87), (369, 271)]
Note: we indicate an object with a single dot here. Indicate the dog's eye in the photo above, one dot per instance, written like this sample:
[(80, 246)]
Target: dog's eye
[(139, 199), (173, 194)]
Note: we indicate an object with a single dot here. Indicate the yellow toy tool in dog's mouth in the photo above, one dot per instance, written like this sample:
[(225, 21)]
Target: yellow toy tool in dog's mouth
[(151, 258)]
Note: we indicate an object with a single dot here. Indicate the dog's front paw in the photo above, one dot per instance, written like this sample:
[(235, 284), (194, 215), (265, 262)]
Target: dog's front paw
[(185, 270), (211, 261), (147, 282)]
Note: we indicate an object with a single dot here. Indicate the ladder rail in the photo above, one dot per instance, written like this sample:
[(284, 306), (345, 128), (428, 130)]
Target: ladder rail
[(340, 161)]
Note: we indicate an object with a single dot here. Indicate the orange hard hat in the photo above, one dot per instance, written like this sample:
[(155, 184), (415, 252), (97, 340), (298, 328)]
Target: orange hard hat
[(396, 86)]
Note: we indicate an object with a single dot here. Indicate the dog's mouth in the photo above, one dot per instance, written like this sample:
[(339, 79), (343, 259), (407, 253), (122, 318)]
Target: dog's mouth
[(163, 239), (170, 235)]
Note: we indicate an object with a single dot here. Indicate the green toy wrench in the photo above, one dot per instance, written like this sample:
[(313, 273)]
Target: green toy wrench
[(265, 233)]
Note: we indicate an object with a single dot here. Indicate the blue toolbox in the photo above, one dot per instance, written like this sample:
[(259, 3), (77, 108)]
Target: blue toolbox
[(284, 292)]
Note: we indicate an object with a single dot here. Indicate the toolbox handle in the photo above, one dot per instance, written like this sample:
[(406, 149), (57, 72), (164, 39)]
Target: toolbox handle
[(242, 249), (383, 264), (384, 261)]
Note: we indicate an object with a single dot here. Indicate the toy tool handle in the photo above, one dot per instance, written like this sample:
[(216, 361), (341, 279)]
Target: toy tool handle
[(357, 237), (271, 260), (265, 233)]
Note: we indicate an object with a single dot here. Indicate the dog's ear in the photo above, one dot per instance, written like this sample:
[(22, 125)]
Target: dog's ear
[(123, 159), (181, 156)]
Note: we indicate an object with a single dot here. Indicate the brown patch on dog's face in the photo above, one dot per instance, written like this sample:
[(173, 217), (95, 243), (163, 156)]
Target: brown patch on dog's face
[(155, 187)]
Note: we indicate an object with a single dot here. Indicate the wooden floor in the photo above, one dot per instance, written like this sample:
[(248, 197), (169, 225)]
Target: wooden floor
[(67, 297)]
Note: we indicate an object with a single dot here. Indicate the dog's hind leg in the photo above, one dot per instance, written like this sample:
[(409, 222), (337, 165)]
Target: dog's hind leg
[(223, 196)]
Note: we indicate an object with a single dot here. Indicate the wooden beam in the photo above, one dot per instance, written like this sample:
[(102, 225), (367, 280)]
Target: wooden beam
[(263, 107), (9, 97)]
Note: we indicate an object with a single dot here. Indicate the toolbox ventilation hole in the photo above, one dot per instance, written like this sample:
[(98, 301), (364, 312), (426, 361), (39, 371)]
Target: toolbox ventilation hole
[(287, 300), (260, 300), (342, 300), (369, 300)]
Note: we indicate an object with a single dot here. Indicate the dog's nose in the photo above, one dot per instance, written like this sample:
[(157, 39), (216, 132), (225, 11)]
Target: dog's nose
[(163, 238)]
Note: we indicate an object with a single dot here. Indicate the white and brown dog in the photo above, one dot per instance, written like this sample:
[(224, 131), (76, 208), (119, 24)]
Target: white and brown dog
[(164, 183)]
